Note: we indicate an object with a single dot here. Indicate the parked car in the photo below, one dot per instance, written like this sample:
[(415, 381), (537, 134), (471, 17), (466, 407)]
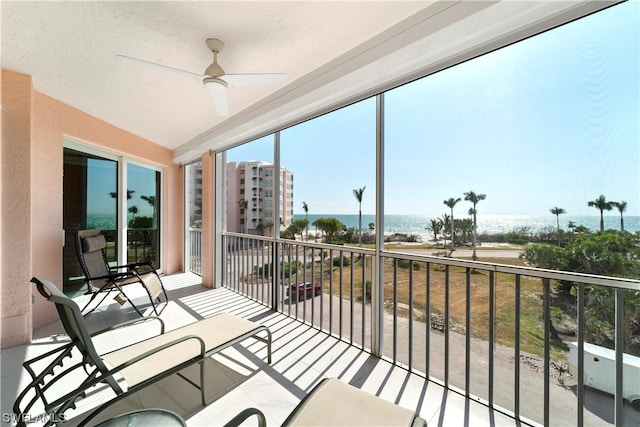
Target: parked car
[(297, 291)]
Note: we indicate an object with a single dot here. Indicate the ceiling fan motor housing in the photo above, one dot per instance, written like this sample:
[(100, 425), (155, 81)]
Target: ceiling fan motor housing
[(214, 69)]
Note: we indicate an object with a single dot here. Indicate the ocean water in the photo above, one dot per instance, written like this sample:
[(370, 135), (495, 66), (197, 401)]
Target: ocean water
[(101, 221), (417, 224), (493, 224)]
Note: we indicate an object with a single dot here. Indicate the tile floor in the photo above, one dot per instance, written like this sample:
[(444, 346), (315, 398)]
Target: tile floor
[(239, 377)]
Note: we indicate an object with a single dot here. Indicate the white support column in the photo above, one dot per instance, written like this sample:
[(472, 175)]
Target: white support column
[(377, 285)]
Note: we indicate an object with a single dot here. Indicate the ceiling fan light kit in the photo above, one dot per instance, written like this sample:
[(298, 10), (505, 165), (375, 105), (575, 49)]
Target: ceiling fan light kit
[(215, 84)]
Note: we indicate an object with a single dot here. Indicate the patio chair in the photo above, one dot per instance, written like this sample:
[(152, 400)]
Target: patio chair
[(336, 403), (136, 366), (101, 278)]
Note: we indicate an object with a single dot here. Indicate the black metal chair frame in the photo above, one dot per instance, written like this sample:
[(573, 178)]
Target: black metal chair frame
[(170, 344), (118, 276)]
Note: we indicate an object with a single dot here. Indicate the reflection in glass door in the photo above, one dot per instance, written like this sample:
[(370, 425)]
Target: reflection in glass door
[(90, 200), (143, 215)]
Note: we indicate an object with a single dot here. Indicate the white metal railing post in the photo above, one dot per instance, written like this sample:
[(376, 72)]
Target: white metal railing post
[(377, 281), (277, 253)]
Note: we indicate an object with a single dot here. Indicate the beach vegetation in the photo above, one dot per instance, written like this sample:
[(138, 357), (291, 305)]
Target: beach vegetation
[(288, 268), (602, 205), (305, 208), (141, 222), (514, 238), (451, 203), (474, 198), (296, 227), (557, 212), (329, 227), (351, 235), (406, 264), (336, 262), (445, 224), (435, 226), (607, 253), (358, 194), (463, 230), (621, 206), (402, 237)]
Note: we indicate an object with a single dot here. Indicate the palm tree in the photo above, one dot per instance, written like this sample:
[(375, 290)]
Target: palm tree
[(133, 210), (474, 198), (602, 204), (152, 202), (435, 225), (358, 193), (622, 206), (129, 194), (451, 202), (557, 212), (305, 208), (445, 224), (243, 203)]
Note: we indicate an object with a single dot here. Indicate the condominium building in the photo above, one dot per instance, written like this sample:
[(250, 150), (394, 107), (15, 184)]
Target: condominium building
[(193, 177), (252, 196)]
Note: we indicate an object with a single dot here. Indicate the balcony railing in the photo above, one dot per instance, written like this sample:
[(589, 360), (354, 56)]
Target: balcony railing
[(487, 331), (195, 251), (141, 245)]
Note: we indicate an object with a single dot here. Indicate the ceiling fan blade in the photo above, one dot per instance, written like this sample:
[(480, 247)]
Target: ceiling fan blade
[(162, 67), (254, 79), (218, 95)]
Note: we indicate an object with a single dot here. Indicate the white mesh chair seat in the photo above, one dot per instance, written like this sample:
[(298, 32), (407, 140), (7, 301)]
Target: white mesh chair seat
[(335, 403), (217, 332)]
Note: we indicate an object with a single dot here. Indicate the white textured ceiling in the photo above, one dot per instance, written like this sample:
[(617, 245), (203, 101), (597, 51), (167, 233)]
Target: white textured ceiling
[(330, 50), (70, 50)]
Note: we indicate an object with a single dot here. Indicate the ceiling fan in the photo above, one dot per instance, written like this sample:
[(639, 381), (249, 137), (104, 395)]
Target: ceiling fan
[(216, 80)]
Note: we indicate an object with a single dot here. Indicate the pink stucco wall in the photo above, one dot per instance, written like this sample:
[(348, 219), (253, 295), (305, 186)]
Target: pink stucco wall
[(16, 207), (34, 126)]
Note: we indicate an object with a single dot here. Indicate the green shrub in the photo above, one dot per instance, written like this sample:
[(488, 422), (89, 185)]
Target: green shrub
[(288, 268), (543, 255), (514, 238), (336, 261), (405, 263)]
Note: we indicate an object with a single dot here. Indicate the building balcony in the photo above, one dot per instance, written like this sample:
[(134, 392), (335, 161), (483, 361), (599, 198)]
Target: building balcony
[(432, 362), (240, 378)]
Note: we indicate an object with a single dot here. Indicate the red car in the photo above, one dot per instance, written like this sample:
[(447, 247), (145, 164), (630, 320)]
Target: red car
[(297, 291)]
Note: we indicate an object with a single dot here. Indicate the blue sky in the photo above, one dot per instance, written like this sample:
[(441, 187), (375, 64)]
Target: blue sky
[(550, 121)]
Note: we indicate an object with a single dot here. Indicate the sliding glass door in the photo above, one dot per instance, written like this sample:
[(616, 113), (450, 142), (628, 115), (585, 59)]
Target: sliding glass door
[(122, 199), (90, 200)]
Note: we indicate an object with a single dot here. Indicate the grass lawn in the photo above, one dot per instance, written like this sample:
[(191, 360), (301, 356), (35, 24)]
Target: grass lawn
[(531, 313)]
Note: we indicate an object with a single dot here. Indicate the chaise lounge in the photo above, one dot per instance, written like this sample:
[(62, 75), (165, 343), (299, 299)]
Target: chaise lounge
[(139, 365), (334, 403)]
